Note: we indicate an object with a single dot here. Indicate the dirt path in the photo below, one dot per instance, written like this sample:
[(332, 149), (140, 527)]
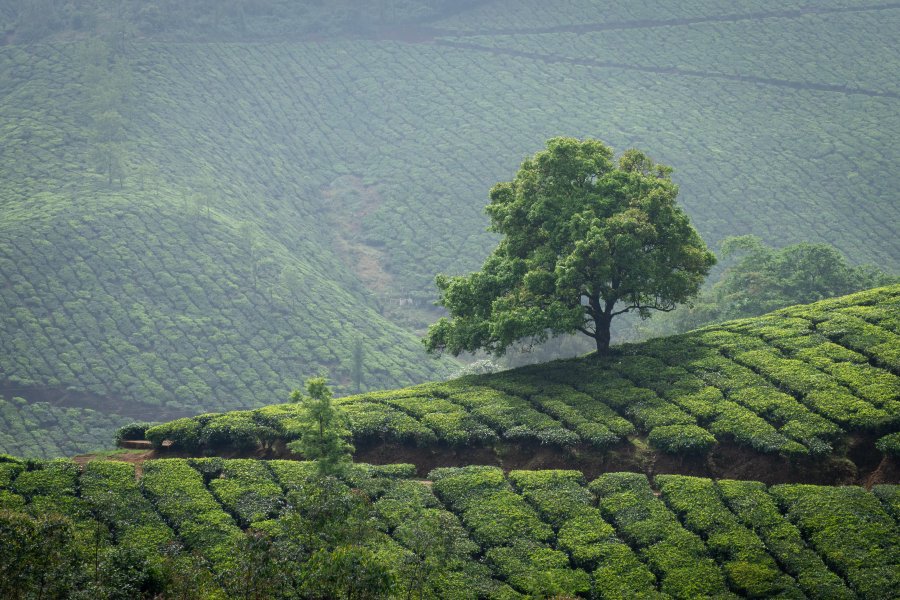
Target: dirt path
[(134, 457)]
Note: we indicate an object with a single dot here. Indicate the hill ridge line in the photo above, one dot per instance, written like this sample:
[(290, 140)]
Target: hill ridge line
[(657, 23), (785, 83)]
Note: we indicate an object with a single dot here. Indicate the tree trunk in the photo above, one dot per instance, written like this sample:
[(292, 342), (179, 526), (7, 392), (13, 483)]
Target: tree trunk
[(601, 333)]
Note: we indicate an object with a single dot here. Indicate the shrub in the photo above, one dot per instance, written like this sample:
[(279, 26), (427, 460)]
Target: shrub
[(850, 529), (676, 555), (115, 496), (132, 431), (183, 433), (681, 439), (238, 430), (247, 489), (538, 570), (757, 509), (494, 514), (179, 495), (740, 551), (889, 494), (889, 444), (51, 479), (8, 472), (621, 574)]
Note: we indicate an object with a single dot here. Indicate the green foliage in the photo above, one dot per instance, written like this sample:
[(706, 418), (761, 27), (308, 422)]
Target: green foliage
[(889, 444), (850, 529), (583, 533), (538, 570), (678, 557), (514, 417), (43, 430), (132, 431), (323, 436), (490, 509), (55, 478), (472, 533), (125, 267), (39, 556), (247, 489), (750, 569), (763, 279), (583, 239), (181, 498), (440, 551), (757, 510), (773, 384), (889, 494), (115, 496), (681, 439), (183, 433)]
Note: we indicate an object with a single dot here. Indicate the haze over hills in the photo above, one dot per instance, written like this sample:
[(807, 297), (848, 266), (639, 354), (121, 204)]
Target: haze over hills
[(198, 216)]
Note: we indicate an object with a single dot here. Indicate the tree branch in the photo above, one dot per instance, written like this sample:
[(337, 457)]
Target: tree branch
[(639, 307), (586, 332)]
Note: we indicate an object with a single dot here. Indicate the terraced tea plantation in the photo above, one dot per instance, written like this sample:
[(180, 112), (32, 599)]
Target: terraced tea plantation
[(525, 534), (803, 382), (202, 225)]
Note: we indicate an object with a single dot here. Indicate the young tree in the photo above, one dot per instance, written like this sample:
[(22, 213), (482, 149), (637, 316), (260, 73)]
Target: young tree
[(584, 239), (356, 371), (323, 436)]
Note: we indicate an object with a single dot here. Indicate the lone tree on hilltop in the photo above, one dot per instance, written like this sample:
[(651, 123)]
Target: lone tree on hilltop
[(584, 238), (323, 432)]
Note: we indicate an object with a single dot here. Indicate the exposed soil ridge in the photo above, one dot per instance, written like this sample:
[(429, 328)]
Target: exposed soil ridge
[(863, 464)]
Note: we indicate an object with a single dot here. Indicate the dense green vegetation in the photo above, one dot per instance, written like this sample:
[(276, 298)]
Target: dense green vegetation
[(201, 226), (201, 527), (796, 382), (42, 430), (759, 279)]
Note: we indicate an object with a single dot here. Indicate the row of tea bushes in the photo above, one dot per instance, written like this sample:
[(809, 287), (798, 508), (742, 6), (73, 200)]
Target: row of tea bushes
[(210, 270), (753, 382), (44, 430), (562, 500), (678, 557), (758, 511), (850, 529), (750, 569), (509, 531), (539, 532), (184, 502)]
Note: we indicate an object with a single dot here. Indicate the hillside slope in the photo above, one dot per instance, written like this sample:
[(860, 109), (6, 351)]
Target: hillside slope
[(475, 533), (201, 225), (811, 387)]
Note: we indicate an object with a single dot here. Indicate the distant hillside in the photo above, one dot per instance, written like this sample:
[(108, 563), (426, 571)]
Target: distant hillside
[(811, 387), (468, 532), (193, 20), (199, 222)]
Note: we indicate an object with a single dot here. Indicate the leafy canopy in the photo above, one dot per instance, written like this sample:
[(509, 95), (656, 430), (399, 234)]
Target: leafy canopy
[(584, 238), (323, 435), (761, 279)]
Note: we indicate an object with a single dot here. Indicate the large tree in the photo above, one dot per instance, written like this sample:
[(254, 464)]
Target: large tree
[(584, 238)]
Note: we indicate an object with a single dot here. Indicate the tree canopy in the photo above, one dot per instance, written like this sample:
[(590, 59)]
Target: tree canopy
[(759, 279), (323, 432), (585, 238)]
